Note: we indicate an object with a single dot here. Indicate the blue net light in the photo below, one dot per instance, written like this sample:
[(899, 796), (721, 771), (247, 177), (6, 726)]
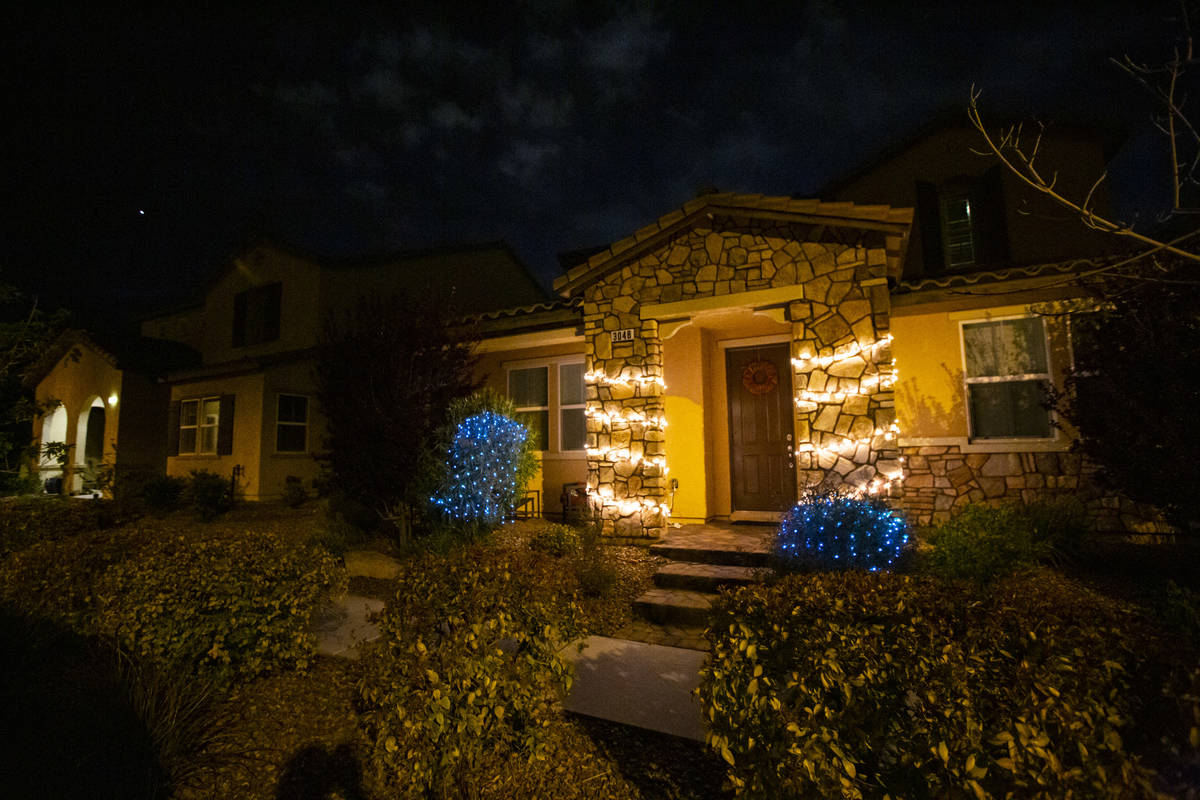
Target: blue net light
[(481, 469), (840, 532)]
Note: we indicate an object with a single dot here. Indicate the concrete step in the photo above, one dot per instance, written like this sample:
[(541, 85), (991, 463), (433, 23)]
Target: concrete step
[(729, 556), (704, 577), (674, 606)]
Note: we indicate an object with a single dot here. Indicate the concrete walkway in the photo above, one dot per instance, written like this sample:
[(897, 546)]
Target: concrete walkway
[(634, 683)]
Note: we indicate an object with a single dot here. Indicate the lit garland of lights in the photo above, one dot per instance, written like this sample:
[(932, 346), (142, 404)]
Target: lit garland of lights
[(628, 417), (808, 360), (625, 455), (600, 378), (626, 506), (837, 531), (481, 466)]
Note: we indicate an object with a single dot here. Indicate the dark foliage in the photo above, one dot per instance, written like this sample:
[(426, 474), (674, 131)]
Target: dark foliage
[(1133, 393), (386, 376)]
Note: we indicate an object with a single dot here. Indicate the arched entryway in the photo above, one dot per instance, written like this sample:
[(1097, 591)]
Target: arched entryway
[(89, 447), (54, 432)]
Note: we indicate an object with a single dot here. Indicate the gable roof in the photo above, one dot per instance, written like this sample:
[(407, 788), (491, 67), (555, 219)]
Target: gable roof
[(892, 222), (150, 357)]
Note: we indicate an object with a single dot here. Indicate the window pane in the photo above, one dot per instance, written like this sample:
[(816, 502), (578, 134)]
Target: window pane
[(573, 429), (570, 384), (1012, 409), (293, 408), (212, 411), (208, 439), (538, 423), (290, 438), (187, 412), (1007, 347), (187, 440), (527, 387)]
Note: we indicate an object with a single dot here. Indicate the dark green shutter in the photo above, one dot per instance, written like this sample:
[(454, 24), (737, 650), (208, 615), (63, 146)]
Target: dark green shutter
[(239, 319), (989, 226), (173, 428), (225, 426), (929, 218)]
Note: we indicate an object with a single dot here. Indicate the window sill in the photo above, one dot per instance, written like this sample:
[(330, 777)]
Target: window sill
[(291, 454), (197, 456), (1057, 444), (568, 455)]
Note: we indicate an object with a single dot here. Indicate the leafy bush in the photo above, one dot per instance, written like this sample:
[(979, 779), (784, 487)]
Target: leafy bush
[(220, 606), (29, 520), (465, 681), (835, 531), (208, 495), (162, 493), (294, 494), (1058, 526), (864, 685), (594, 569), (488, 458), (557, 540)]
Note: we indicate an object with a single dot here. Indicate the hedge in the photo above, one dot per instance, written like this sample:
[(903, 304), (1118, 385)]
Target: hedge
[(867, 685), (220, 606), (29, 520)]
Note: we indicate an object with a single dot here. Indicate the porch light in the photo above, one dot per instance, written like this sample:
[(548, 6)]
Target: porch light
[(112, 399)]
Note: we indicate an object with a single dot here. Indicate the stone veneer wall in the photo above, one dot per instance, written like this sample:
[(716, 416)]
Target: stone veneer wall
[(843, 437), (939, 479)]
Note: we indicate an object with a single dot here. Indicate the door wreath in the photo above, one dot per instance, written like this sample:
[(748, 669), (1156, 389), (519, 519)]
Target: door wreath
[(760, 377)]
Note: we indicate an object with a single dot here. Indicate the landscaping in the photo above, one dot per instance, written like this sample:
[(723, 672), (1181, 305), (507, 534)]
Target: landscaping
[(1011, 659)]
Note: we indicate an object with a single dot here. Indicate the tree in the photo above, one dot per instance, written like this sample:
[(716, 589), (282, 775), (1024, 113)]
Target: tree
[(26, 333), (386, 375)]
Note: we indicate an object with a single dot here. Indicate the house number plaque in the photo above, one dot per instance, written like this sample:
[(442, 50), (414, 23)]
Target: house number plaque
[(623, 335)]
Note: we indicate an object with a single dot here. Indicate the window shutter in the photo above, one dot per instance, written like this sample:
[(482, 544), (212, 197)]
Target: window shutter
[(173, 428), (272, 300), (929, 216), (239, 319), (990, 227), (225, 426)]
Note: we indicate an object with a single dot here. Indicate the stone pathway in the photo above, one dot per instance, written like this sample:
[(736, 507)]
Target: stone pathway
[(344, 624)]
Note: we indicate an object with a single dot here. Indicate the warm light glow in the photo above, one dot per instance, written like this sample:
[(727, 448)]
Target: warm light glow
[(112, 399), (839, 354), (628, 417), (602, 379)]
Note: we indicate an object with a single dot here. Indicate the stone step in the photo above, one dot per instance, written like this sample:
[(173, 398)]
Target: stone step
[(674, 606), (704, 577), (729, 556)]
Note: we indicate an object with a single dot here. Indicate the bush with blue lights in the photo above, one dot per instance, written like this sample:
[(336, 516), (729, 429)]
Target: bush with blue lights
[(839, 532), (481, 469)]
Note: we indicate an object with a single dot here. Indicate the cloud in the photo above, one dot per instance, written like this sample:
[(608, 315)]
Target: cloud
[(526, 161), (449, 116)]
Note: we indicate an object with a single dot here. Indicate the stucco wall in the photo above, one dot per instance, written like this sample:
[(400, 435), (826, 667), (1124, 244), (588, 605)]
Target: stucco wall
[(247, 431), (75, 384)]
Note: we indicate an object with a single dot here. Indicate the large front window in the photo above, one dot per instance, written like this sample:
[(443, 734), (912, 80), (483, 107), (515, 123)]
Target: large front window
[(550, 400), (1007, 373), (198, 424)]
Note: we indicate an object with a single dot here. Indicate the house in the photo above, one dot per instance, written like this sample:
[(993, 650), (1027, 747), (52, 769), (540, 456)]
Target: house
[(720, 360), (244, 407)]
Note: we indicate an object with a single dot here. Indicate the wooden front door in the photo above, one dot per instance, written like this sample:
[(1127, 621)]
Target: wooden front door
[(762, 470)]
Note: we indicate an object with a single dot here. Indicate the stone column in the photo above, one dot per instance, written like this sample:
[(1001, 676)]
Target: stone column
[(625, 417)]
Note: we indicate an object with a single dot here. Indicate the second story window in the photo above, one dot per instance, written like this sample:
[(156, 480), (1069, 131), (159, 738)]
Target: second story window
[(958, 235), (256, 315)]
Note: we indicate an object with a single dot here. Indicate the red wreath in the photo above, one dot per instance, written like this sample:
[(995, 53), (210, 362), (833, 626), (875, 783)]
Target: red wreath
[(760, 377)]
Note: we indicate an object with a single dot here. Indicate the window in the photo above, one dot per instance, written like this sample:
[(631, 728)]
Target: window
[(256, 315), (291, 424), (198, 424), (530, 392), (958, 236), (1007, 374), (572, 429)]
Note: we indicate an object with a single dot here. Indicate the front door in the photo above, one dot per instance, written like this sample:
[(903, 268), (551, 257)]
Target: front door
[(762, 471)]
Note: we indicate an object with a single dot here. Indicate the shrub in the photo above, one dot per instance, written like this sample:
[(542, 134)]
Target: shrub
[(220, 606), (861, 685), (982, 543), (466, 679), (294, 494), (26, 521), (488, 459), (594, 570), (1058, 526), (208, 495), (163, 493), (835, 531), (556, 540)]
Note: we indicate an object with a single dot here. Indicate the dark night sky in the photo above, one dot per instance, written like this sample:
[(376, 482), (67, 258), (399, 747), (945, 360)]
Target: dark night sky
[(555, 126)]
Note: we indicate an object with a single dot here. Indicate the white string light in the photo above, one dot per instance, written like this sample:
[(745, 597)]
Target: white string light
[(807, 360), (598, 378)]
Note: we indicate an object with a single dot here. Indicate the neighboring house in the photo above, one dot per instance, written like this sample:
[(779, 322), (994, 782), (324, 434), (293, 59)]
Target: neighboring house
[(245, 407), (92, 393)]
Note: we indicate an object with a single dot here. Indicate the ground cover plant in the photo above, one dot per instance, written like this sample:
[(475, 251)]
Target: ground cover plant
[(24, 521), (853, 684)]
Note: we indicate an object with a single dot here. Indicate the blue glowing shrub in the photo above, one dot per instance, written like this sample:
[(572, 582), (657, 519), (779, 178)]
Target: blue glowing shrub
[(836, 532), (482, 469)]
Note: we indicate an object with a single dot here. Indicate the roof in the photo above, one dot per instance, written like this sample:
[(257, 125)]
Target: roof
[(892, 221), (140, 354)]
